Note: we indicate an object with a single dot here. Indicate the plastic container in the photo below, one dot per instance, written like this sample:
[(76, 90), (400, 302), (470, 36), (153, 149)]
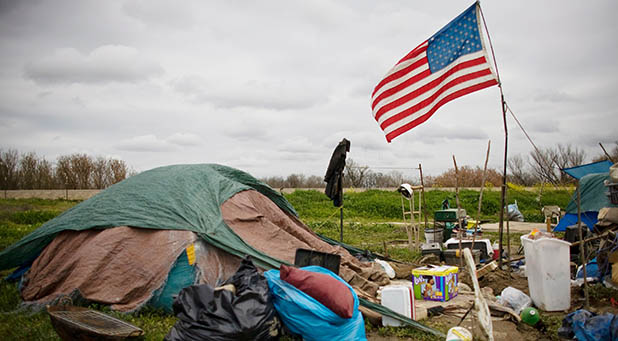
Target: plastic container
[(452, 256), (434, 235), (329, 261), (398, 298), (548, 271)]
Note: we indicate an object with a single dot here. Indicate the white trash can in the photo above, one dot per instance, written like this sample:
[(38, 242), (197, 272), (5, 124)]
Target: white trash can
[(549, 274)]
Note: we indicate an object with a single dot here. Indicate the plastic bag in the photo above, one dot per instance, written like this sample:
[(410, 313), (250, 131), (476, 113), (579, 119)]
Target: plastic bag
[(588, 326), (387, 268), (513, 213), (307, 317), (208, 314), (515, 299)]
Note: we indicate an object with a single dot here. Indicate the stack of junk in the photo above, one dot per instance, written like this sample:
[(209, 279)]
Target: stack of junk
[(141, 241)]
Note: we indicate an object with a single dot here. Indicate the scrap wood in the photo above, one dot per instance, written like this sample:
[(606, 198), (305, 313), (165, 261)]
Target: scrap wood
[(496, 307), (491, 266), (479, 301)]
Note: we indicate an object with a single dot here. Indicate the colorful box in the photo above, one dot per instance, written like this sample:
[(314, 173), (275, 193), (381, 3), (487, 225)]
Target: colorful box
[(438, 283)]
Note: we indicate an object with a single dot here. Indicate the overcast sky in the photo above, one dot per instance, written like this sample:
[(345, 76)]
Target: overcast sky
[(271, 87)]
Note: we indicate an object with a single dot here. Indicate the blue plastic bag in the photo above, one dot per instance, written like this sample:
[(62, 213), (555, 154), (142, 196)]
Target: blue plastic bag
[(309, 318)]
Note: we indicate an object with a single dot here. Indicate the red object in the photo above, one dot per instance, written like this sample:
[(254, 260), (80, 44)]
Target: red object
[(325, 289), (496, 254), (450, 64)]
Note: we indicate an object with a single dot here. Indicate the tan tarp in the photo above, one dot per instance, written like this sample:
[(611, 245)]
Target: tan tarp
[(123, 266), (268, 229)]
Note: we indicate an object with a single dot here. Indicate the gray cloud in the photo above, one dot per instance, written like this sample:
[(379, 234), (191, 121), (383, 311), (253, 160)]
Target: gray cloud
[(110, 63), (263, 94)]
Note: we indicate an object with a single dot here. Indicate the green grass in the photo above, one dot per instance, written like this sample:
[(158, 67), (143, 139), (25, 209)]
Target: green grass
[(367, 217), (385, 206)]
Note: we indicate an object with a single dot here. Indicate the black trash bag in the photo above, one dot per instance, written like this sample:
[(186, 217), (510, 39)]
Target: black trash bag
[(208, 314)]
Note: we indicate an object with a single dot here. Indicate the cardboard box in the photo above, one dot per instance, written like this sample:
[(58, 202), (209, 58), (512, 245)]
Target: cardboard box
[(435, 283)]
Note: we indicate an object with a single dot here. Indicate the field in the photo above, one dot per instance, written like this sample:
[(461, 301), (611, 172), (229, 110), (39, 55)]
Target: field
[(368, 223)]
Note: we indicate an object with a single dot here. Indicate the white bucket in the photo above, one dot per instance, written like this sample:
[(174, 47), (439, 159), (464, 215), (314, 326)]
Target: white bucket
[(548, 271)]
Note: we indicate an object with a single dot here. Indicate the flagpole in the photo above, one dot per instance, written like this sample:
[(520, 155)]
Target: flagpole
[(506, 140)]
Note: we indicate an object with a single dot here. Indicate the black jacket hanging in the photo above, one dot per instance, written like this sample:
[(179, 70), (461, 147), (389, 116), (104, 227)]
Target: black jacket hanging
[(334, 173)]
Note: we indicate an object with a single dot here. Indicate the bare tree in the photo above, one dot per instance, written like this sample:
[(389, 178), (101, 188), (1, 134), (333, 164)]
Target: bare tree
[(119, 170), (613, 154), (546, 163), (64, 172), (101, 174), (81, 164), (9, 161), (354, 174), (519, 171), (28, 164), (45, 175)]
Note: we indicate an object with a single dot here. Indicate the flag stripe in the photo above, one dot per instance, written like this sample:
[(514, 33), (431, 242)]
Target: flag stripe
[(402, 129), (468, 64), (404, 64), (424, 106)]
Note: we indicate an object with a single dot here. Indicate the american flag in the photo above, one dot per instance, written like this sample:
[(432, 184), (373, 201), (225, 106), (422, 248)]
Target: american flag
[(450, 64)]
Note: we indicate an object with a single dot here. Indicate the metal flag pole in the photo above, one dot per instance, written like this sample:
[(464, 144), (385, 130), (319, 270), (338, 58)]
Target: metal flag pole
[(506, 140)]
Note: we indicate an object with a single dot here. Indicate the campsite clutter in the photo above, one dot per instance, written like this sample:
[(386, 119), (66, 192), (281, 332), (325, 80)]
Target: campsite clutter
[(234, 260)]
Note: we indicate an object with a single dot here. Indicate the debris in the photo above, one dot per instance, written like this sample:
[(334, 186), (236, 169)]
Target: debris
[(458, 334), (400, 299), (585, 325), (548, 270), (515, 299), (500, 310), (479, 302), (486, 269), (206, 313), (304, 316), (530, 316), (387, 268), (435, 283)]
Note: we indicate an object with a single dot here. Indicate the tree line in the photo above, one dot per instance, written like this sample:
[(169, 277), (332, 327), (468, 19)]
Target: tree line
[(539, 166), (74, 171), (82, 171)]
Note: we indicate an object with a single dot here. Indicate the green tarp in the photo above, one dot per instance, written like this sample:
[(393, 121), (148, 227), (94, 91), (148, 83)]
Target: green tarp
[(593, 194), (182, 197)]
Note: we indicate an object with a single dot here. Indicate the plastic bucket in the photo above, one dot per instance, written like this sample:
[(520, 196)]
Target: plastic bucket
[(548, 271), (434, 235)]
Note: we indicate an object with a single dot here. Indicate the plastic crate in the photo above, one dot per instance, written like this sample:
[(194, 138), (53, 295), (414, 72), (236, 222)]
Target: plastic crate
[(310, 257), (449, 215)]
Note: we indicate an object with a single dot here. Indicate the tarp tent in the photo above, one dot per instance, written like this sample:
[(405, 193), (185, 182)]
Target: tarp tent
[(593, 198), (123, 246)]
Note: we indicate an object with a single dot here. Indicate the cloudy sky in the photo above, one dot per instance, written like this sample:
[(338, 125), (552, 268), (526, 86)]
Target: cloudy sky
[(271, 87)]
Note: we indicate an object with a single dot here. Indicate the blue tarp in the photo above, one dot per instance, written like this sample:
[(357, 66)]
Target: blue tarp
[(596, 167), (588, 218)]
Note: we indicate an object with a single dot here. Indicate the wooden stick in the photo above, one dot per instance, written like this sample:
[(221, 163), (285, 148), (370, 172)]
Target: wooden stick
[(606, 154), (458, 208), (581, 246), (420, 168), (478, 213)]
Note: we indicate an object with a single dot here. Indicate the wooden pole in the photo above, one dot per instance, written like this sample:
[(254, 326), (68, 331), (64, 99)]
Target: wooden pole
[(606, 154), (341, 209), (478, 212), (581, 246), (420, 168), (503, 191), (458, 208)]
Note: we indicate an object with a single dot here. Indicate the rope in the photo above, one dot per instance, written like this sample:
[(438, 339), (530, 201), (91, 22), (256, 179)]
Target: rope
[(330, 216), (532, 143)]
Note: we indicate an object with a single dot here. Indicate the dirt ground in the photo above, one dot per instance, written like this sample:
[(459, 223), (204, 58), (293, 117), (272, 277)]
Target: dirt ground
[(507, 329)]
